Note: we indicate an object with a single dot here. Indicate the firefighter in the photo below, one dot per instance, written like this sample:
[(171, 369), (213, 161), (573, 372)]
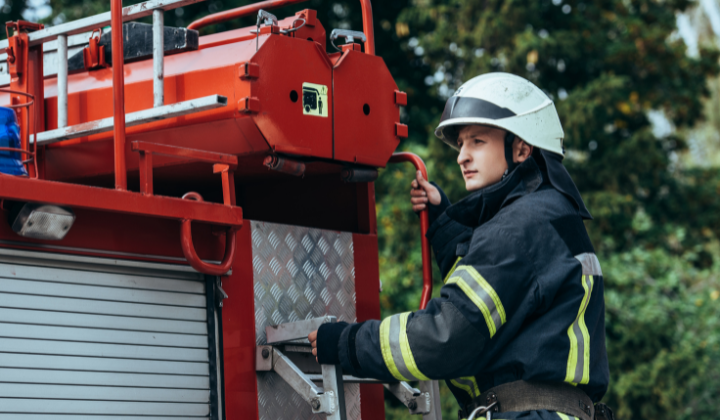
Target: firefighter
[(520, 320)]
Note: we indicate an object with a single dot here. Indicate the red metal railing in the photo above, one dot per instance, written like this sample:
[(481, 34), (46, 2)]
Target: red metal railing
[(120, 200), (272, 4), (118, 69), (424, 226), (25, 140)]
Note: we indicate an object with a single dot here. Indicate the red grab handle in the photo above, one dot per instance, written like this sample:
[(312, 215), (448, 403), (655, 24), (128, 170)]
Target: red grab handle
[(424, 226), (189, 249)]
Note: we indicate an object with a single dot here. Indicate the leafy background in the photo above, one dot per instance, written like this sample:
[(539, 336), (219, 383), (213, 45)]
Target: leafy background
[(636, 85)]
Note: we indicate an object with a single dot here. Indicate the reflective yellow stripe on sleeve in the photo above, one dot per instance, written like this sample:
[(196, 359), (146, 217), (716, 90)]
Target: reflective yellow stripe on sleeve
[(467, 384), (396, 351), (564, 416), (578, 365), (451, 270), (479, 291)]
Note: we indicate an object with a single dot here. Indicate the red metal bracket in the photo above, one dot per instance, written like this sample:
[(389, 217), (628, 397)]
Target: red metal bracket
[(25, 66), (249, 104), (401, 130), (400, 98), (351, 47), (18, 45), (94, 53), (225, 165), (424, 226), (249, 70)]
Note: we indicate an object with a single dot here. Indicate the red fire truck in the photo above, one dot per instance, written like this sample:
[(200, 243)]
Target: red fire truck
[(189, 208)]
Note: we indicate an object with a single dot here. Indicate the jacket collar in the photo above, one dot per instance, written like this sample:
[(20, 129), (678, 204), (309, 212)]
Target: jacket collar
[(482, 205)]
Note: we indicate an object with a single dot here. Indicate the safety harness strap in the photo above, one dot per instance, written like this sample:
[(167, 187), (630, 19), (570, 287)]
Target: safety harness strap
[(531, 396)]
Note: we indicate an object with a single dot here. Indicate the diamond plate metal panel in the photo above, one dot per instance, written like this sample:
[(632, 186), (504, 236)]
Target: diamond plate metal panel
[(300, 273)]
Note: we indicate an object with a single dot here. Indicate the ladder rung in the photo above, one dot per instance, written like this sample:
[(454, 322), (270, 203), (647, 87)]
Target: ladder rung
[(132, 119), (316, 377)]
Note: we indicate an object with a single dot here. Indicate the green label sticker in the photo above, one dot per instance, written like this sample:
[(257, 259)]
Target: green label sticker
[(315, 100)]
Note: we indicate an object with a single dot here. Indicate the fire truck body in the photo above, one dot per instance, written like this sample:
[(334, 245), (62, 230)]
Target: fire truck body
[(284, 138)]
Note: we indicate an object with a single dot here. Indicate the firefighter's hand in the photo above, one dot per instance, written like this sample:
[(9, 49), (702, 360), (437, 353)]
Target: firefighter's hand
[(313, 342), (422, 191)]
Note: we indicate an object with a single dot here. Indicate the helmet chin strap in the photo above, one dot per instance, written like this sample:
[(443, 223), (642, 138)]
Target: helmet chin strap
[(509, 140)]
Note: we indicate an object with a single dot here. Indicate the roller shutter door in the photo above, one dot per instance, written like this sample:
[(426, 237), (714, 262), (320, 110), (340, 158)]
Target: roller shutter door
[(86, 338)]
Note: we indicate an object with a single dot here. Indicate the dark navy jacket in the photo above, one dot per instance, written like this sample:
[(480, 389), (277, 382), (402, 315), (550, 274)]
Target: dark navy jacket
[(523, 299)]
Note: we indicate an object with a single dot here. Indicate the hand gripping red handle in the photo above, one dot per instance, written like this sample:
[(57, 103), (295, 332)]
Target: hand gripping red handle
[(424, 226), (189, 249)]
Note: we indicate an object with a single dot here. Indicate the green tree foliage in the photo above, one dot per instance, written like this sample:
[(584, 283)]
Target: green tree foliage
[(606, 63)]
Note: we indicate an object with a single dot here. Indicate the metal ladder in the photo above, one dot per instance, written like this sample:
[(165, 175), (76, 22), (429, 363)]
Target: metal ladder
[(160, 111), (294, 363)]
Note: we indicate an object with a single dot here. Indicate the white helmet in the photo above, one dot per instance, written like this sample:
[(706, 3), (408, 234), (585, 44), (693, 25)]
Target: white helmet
[(508, 102)]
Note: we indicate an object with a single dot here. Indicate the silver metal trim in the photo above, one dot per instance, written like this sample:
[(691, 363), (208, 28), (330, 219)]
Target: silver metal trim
[(348, 379), (335, 390), (136, 118), (62, 81), (416, 401), (158, 59), (295, 330), (432, 389), (291, 374), (349, 35), (109, 265)]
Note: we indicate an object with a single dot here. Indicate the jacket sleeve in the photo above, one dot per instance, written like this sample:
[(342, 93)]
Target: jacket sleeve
[(445, 234), (491, 285)]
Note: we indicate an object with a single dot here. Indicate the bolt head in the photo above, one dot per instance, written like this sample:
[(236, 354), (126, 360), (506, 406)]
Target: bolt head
[(315, 403), (265, 353), (412, 404)]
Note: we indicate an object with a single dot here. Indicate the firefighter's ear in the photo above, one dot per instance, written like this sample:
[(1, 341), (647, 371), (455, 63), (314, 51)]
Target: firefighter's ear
[(521, 150)]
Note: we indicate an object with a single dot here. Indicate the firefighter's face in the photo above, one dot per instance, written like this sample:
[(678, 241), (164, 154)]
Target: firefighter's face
[(482, 155)]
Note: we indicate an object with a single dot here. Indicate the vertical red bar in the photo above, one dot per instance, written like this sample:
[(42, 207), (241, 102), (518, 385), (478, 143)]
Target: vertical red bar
[(368, 27), (424, 226), (146, 173), (367, 289), (118, 65)]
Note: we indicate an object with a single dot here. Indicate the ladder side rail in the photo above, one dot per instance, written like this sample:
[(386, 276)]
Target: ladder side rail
[(133, 12), (132, 119)]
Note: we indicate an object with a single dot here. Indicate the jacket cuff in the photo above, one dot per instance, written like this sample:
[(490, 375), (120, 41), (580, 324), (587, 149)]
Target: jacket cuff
[(327, 342), (348, 350), (435, 211)]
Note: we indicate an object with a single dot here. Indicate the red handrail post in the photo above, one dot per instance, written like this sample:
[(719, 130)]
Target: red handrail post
[(368, 27), (118, 65), (424, 226)]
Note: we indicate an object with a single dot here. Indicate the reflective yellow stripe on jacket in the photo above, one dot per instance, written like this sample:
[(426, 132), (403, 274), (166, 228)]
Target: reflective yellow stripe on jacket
[(451, 270), (396, 351), (578, 365), (481, 294), (467, 384)]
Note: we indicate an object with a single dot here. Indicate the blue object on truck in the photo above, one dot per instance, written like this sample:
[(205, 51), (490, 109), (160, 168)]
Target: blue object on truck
[(10, 162)]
